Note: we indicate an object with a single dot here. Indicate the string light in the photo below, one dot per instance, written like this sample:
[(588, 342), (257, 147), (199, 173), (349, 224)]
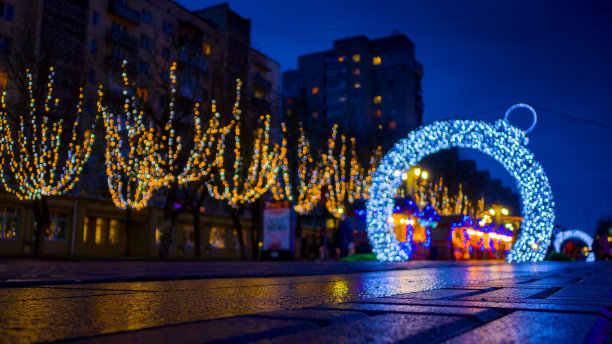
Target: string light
[(575, 234), (502, 141), (32, 157), (263, 168)]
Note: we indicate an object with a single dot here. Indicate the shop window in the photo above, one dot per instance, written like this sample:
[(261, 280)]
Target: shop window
[(217, 237), (9, 223), (113, 232), (57, 226), (86, 227), (99, 230)]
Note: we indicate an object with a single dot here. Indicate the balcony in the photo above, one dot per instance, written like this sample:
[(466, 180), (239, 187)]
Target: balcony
[(122, 39), (124, 11)]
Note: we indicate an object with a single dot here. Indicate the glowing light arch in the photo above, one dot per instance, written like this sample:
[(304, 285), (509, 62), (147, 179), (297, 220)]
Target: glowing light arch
[(503, 142), (575, 234)]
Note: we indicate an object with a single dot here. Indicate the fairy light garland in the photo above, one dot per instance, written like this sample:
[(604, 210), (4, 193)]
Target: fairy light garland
[(245, 186), (31, 161), (577, 235), (132, 168), (502, 141)]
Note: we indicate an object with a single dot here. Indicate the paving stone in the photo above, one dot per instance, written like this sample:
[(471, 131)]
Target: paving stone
[(321, 317), (440, 294), (483, 314), (229, 330), (524, 304), (603, 292), (556, 281), (506, 293), (532, 327), (387, 328), (597, 279)]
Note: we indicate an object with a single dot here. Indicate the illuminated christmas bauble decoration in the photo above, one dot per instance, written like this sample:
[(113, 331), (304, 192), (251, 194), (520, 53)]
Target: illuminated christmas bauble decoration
[(500, 140), (577, 235)]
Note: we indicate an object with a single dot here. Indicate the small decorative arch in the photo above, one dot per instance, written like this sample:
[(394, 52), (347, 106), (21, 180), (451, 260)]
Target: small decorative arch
[(500, 140), (575, 234)]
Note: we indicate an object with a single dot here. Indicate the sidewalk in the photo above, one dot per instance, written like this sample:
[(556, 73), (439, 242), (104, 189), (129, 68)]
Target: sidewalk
[(301, 302)]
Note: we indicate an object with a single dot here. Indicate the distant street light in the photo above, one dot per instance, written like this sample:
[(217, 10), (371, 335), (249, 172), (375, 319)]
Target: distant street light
[(424, 174)]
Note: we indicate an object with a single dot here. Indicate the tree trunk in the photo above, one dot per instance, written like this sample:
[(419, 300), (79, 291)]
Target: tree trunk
[(169, 219), (40, 208), (235, 214), (197, 236), (128, 224)]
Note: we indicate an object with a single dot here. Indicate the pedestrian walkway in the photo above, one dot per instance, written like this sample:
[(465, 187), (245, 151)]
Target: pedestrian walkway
[(450, 303)]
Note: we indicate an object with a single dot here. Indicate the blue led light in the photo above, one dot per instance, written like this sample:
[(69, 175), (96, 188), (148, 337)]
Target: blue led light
[(502, 141)]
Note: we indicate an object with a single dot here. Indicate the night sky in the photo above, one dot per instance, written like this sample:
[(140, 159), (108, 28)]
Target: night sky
[(479, 56)]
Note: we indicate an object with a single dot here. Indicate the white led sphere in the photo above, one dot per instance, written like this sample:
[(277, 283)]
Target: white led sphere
[(500, 140)]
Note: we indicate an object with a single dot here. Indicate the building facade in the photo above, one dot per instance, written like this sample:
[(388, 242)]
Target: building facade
[(86, 42), (370, 87)]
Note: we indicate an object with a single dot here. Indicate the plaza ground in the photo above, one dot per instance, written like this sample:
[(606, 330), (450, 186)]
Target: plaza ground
[(307, 302)]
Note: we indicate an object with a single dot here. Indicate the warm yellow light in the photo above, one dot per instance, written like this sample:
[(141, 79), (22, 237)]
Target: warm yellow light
[(404, 176), (535, 246), (504, 211), (417, 172), (340, 211), (471, 232), (315, 90), (357, 85), (380, 127), (377, 99), (376, 60), (356, 58), (424, 175), (492, 211), (340, 58)]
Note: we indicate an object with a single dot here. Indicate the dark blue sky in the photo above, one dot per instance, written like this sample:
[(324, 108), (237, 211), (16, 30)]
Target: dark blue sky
[(480, 55)]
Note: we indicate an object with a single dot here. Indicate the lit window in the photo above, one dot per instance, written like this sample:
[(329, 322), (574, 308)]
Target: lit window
[(9, 222), (376, 60), (342, 99), (380, 127), (392, 125), (315, 90), (99, 228), (3, 79), (158, 235), (377, 99), (217, 237), (357, 85), (206, 48), (377, 113), (85, 229), (142, 93), (113, 232), (356, 58), (356, 71), (315, 114), (340, 58)]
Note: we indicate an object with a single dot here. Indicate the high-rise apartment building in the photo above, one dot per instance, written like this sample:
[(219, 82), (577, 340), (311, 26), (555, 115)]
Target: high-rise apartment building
[(370, 87)]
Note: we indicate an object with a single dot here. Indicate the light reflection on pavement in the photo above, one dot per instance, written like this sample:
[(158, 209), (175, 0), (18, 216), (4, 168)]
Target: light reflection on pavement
[(45, 313)]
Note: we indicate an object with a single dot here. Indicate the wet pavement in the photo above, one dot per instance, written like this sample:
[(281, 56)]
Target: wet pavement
[(44, 301)]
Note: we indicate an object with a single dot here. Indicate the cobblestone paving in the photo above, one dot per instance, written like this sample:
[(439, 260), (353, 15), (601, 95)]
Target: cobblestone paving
[(527, 303)]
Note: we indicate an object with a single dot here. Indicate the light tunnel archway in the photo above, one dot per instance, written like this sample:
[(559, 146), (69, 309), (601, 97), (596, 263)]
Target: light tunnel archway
[(578, 235), (500, 140)]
